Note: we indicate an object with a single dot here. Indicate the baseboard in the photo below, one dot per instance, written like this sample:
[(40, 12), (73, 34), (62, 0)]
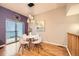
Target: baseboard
[(55, 44), (2, 45), (60, 45)]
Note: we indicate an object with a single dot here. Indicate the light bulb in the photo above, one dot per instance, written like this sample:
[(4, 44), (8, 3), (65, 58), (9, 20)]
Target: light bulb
[(28, 21), (30, 16)]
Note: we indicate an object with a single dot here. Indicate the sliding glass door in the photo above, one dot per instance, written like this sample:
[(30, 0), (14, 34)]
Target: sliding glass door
[(14, 30), (20, 29)]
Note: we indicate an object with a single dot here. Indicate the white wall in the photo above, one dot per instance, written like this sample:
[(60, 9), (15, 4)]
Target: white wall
[(56, 25), (73, 24)]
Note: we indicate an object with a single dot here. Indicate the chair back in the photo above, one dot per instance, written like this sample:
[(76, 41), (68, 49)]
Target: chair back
[(24, 36), (23, 39), (38, 39)]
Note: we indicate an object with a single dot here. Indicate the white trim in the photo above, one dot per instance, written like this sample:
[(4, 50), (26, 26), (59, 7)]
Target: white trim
[(55, 44), (68, 51), (60, 45), (2, 45)]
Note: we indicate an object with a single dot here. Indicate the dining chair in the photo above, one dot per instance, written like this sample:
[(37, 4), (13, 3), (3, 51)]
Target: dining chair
[(37, 42), (23, 43)]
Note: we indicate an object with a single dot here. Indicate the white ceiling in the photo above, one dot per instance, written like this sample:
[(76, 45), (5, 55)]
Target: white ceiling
[(73, 9), (23, 9)]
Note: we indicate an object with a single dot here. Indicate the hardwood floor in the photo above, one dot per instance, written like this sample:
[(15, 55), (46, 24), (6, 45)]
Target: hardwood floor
[(48, 50)]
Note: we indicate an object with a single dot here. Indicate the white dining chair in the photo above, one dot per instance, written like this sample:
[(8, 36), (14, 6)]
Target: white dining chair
[(37, 43), (23, 43)]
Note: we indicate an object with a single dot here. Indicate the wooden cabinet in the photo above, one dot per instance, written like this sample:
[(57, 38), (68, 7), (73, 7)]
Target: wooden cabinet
[(73, 44)]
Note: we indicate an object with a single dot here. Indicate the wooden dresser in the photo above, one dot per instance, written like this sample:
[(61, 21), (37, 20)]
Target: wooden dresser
[(73, 44)]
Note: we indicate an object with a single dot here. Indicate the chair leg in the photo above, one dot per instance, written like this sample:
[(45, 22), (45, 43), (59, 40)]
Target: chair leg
[(34, 47), (26, 47), (19, 48), (22, 49), (41, 46), (38, 48)]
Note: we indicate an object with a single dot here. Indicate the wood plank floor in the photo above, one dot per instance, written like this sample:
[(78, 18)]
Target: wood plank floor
[(48, 50)]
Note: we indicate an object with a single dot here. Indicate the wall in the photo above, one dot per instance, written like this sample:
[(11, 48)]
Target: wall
[(6, 13), (57, 24), (73, 22)]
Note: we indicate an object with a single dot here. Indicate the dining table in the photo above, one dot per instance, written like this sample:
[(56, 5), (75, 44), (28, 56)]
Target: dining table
[(30, 40)]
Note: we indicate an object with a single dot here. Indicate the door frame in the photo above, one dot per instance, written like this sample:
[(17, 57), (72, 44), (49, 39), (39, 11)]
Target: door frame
[(15, 40)]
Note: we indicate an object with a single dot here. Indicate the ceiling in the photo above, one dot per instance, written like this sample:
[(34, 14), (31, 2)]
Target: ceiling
[(73, 9), (23, 9)]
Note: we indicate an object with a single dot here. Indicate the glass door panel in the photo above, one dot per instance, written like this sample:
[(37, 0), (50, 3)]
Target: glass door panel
[(20, 29), (14, 30), (10, 31)]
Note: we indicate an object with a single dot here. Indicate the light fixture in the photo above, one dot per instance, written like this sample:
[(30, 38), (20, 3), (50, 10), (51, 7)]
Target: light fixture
[(31, 17), (28, 21), (31, 4)]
